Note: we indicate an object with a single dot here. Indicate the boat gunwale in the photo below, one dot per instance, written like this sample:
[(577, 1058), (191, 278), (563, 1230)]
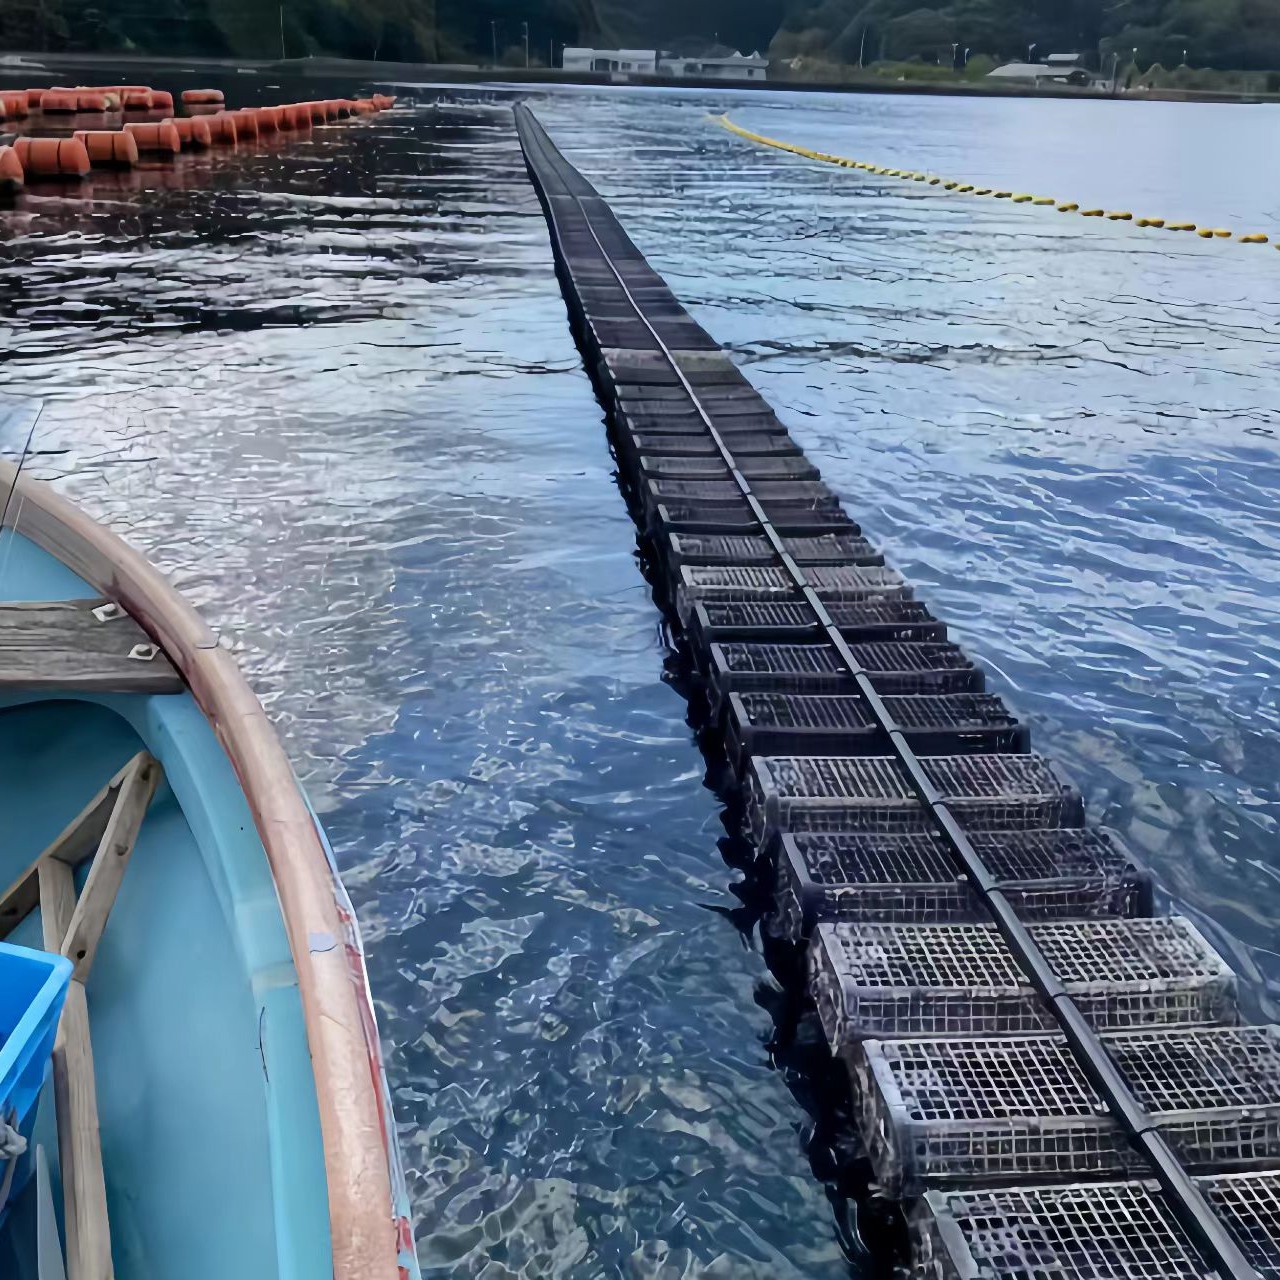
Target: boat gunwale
[(366, 1231)]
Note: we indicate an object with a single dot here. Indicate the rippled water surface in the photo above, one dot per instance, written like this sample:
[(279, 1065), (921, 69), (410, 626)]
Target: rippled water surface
[(328, 385)]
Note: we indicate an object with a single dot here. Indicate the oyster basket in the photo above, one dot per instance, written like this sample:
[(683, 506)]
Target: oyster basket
[(1069, 873), (892, 980), (943, 1113)]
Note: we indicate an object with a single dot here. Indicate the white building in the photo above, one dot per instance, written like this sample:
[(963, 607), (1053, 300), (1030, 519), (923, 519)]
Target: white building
[(1052, 72), (644, 61), (732, 66)]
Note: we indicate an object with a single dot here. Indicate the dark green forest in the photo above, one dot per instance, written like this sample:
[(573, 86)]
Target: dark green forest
[(1241, 34)]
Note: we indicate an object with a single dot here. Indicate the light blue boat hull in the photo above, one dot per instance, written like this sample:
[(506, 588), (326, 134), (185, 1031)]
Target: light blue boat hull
[(210, 1130)]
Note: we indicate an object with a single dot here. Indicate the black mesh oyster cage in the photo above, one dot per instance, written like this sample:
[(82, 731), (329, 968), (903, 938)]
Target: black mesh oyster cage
[(1070, 872), (874, 794), (765, 724), (893, 980), (1088, 1232), (942, 1113)]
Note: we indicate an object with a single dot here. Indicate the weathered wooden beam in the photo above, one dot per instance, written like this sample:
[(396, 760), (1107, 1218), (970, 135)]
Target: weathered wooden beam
[(80, 939), (85, 645), (75, 1095), (77, 840)]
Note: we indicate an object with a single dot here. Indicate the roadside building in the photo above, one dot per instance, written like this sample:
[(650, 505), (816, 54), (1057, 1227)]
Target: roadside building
[(729, 66), (641, 61), (1058, 68), (720, 64)]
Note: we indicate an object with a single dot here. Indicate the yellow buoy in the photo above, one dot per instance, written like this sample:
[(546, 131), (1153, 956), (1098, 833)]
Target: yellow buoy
[(1122, 216), (1069, 207), (1092, 213), (933, 182), (1222, 233), (982, 191), (1256, 238), (1044, 200), (1021, 197), (1002, 195), (950, 186), (1180, 226), (1205, 232), (968, 186)]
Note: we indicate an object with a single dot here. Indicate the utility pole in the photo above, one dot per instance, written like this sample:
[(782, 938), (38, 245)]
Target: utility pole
[(1031, 48), (862, 48), (282, 53), (954, 49), (493, 31), (551, 52), (526, 46)]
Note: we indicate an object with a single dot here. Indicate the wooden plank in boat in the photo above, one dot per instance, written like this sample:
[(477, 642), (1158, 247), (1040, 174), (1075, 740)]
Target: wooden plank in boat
[(88, 645)]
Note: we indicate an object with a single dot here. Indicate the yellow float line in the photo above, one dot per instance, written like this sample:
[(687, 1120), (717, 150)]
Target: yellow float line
[(967, 188)]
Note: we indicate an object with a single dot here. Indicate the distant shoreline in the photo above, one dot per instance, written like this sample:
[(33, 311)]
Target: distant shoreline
[(392, 73)]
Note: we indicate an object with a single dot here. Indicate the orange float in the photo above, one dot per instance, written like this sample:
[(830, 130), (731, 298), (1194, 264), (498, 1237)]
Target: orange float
[(34, 98), (12, 178), (91, 101), (268, 119), (193, 131), (52, 157), (161, 100), (15, 105), (224, 129), (161, 139), (247, 122), (109, 146), (319, 112), (136, 99), (363, 107), (60, 102), (202, 97)]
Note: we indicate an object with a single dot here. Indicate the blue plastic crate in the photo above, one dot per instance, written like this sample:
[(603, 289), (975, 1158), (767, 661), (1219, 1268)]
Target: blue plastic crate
[(33, 987)]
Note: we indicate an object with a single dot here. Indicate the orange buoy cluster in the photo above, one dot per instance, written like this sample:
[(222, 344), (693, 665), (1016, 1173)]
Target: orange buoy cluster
[(52, 157), (207, 122), (162, 139), (12, 175), (109, 147)]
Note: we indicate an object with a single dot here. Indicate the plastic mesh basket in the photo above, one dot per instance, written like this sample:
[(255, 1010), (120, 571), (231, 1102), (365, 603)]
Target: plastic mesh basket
[(874, 794), (809, 492), (1249, 1205), (785, 620), (1082, 873), (817, 668), (756, 549), (1109, 1231), (691, 444), (784, 724), (892, 980), (942, 1113), (715, 468), (729, 583), (692, 516)]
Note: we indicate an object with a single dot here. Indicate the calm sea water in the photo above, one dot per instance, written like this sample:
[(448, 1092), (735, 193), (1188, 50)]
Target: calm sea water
[(327, 384)]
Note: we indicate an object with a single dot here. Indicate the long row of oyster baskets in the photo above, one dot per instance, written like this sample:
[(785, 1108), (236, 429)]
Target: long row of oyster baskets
[(972, 1109)]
